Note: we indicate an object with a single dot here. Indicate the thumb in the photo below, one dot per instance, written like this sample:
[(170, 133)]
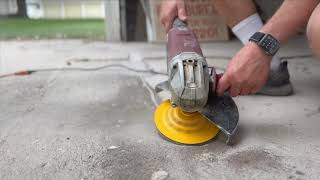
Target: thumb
[(182, 13), (223, 85), (168, 23)]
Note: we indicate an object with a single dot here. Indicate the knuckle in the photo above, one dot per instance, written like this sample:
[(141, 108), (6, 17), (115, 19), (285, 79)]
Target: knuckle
[(243, 92), (255, 90), (233, 75), (236, 79), (234, 92), (247, 92)]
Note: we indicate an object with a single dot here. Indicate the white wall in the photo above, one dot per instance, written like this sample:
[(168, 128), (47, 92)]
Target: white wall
[(4, 7), (13, 8), (57, 8), (35, 9), (8, 7), (73, 8)]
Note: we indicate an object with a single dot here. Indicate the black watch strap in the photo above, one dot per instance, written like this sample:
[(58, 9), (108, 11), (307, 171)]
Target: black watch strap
[(267, 42), (256, 37)]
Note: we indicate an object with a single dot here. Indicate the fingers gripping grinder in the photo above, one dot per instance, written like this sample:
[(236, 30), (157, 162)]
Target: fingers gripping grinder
[(192, 115)]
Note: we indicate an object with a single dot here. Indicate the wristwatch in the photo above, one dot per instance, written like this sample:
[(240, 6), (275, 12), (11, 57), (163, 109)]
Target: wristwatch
[(267, 42)]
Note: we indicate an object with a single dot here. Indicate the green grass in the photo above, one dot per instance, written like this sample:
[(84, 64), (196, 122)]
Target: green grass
[(20, 28)]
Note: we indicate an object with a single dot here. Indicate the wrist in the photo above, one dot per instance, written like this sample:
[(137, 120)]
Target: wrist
[(252, 46)]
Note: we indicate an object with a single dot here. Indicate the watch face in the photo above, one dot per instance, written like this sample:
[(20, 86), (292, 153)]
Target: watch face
[(270, 44)]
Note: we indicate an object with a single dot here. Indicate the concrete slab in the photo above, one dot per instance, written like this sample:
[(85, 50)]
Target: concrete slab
[(99, 124)]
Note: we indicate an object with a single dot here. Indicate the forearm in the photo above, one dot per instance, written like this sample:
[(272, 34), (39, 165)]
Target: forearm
[(291, 16)]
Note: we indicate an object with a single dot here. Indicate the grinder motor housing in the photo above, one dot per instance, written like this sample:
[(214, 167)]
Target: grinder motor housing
[(188, 70)]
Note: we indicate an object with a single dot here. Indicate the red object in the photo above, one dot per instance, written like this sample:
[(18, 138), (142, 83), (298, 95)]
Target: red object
[(218, 77), (182, 40), (22, 73)]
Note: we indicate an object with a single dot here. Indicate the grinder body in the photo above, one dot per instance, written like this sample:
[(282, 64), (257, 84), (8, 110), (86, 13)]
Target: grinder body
[(193, 115), (187, 69)]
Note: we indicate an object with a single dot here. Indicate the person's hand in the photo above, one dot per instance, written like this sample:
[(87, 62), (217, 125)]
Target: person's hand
[(246, 73), (170, 9)]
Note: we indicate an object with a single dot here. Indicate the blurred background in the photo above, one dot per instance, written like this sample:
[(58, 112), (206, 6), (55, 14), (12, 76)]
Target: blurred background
[(112, 20), (34, 19)]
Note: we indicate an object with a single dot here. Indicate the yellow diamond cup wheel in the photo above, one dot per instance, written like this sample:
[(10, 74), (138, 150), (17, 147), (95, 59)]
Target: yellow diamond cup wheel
[(182, 127)]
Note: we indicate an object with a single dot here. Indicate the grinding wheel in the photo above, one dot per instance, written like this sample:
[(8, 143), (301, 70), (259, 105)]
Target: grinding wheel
[(182, 127)]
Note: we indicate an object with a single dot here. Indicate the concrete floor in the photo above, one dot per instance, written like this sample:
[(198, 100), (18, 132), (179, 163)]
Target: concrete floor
[(99, 124)]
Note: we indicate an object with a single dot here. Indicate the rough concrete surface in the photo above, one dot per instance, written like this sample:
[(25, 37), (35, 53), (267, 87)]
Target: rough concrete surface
[(99, 124)]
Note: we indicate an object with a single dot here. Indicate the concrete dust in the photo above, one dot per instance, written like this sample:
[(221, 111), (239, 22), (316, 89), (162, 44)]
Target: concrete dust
[(113, 147), (159, 175)]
